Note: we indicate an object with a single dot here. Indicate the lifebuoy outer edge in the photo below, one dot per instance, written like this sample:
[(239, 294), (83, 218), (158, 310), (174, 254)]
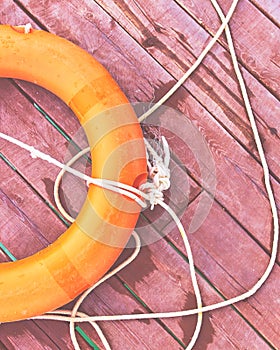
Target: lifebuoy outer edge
[(80, 256)]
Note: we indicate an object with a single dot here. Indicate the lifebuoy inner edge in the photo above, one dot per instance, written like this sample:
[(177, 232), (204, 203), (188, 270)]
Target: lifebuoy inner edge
[(88, 248)]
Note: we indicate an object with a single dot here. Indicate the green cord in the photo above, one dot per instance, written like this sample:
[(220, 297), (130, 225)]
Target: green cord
[(7, 252), (86, 338)]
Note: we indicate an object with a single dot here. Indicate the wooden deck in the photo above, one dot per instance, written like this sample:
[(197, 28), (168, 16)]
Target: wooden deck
[(147, 45)]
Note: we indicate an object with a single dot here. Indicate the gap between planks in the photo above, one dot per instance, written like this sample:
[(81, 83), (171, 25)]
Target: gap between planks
[(33, 106)]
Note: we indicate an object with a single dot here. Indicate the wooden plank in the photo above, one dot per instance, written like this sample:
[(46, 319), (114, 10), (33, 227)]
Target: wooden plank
[(203, 85), (34, 212), (183, 191), (270, 8), (43, 102), (40, 132), (24, 334), (41, 97), (237, 166), (15, 222), (126, 334), (10, 14), (224, 253), (163, 283), (25, 229), (222, 339), (214, 84), (3, 346), (256, 41), (14, 334), (140, 291), (23, 214), (113, 298)]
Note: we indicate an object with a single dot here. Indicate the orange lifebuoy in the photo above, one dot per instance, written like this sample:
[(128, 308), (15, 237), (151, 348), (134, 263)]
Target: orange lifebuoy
[(57, 274)]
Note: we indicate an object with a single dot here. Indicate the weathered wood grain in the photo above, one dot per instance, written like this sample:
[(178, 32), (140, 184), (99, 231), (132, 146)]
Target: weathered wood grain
[(226, 180), (126, 334), (138, 80), (3, 346), (256, 41), (214, 84), (205, 84), (238, 165), (270, 8), (225, 254), (167, 275), (43, 131), (14, 227), (11, 14), (26, 229), (32, 221), (25, 334), (183, 190), (157, 253), (12, 91)]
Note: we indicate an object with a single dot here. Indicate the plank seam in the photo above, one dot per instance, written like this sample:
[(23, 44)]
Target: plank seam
[(149, 310), (233, 307), (30, 15), (225, 46), (184, 87), (265, 13), (43, 200), (205, 107)]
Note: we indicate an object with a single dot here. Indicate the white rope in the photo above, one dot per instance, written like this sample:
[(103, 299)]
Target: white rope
[(74, 312), (159, 173), (78, 317), (273, 257), (151, 194), (26, 28), (58, 181), (181, 81), (130, 192)]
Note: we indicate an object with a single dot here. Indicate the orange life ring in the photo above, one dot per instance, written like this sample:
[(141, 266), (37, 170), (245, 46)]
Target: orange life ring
[(57, 274)]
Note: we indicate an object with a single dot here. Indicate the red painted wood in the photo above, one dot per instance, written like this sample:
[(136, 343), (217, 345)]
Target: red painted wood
[(11, 14), (23, 231), (164, 284), (54, 332), (270, 8), (256, 41), (33, 214), (238, 164), (111, 298), (226, 85), (231, 261), (139, 82), (25, 334), (157, 249), (183, 190), (214, 84)]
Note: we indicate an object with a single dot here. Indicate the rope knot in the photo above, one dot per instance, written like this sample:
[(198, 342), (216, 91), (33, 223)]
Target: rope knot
[(158, 173), (160, 176)]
